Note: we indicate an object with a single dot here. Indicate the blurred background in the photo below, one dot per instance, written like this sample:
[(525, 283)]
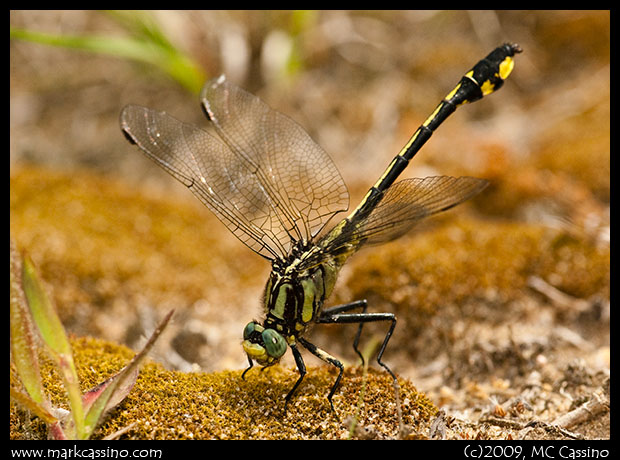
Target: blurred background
[(359, 82), (119, 242)]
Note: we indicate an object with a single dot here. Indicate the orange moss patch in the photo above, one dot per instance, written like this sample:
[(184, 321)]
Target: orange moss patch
[(472, 269), (176, 405), (102, 246)]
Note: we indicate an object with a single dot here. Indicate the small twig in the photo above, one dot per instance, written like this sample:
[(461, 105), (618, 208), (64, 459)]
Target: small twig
[(117, 434), (520, 426), (353, 421), (505, 423), (597, 404), (403, 430), (560, 299), (553, 428)]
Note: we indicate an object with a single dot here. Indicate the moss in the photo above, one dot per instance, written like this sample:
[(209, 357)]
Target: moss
[(454, 262), (175, 405), (570, 172), (580, 146), (101, 245), (473, 269)]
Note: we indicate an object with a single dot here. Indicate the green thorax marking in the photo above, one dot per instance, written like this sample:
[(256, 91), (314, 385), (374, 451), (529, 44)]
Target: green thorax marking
[(294, 295)]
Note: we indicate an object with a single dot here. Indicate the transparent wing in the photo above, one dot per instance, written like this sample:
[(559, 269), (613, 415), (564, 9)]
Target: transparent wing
[(200, 161), (404, 204), (255, 169), (294, 187)]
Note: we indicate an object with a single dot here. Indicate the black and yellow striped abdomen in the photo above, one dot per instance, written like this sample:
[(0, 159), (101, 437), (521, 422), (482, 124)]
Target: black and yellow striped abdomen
[(485, 77)]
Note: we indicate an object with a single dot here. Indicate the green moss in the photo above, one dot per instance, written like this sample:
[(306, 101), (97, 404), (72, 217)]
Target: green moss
[(175, 405)]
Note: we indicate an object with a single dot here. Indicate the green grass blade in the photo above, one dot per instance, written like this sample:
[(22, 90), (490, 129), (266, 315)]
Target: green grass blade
[(141, 24), (119, 47), (171, 61), (43, 312), (29, 404), (23, 344), (53, 334)]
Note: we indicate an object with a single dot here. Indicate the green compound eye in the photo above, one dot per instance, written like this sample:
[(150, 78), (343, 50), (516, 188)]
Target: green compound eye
[(274, 343), (250, 328)]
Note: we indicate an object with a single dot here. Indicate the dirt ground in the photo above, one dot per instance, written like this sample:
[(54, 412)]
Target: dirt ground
[(503, 303)]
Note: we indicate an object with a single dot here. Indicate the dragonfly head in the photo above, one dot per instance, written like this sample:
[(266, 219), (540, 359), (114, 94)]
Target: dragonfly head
[(265, 346)]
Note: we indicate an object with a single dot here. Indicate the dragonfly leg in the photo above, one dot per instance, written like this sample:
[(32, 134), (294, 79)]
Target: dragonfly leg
[(347, 318), (316, 351), (250, 367), (329, 312), (302, 372)]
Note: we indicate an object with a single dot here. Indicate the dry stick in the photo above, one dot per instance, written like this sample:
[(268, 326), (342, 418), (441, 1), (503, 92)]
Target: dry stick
[(521, 426), (402, 431), (596, 405), (562, 300), (367, 353)]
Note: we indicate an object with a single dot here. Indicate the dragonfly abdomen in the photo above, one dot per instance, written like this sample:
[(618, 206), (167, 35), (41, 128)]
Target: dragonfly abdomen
[(484, 78)]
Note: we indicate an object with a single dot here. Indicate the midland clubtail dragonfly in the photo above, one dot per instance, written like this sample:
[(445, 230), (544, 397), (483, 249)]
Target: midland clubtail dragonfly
[(275, 189)]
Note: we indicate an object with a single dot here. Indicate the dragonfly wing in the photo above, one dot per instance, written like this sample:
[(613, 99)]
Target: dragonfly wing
[(203, 162), (406, 203), (300, 187)]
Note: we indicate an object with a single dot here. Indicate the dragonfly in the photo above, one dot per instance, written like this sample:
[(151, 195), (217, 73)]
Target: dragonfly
[(276, 190)]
